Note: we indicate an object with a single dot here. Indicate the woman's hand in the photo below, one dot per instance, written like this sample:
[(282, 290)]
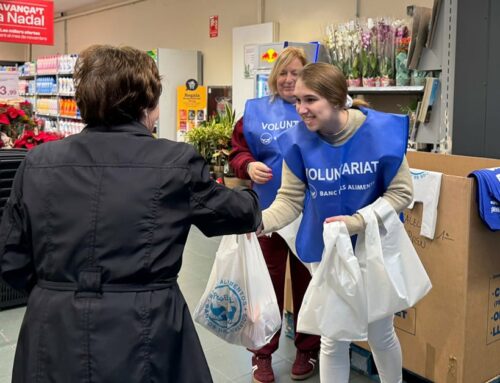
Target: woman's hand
[(337, 218), (258, 232), (259, 172)]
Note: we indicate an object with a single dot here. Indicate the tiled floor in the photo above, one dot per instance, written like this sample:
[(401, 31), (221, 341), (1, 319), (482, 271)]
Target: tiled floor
[(228, 363)]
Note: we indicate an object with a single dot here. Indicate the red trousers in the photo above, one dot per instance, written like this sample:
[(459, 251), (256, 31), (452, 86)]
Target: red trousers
[(275, 252)]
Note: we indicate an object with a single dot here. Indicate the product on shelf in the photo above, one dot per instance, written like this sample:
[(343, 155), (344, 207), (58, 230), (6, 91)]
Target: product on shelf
[(47, 65), (46, 85), (52, 91), (67, 107), (67, 63), (47, 106), (69, 127), (27, 69), (66, 86)]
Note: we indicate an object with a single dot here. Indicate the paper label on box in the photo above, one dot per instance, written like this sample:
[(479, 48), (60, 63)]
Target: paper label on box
[(406, 320), (494, 310)]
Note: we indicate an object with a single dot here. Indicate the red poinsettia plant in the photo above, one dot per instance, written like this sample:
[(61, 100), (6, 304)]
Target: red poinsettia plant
[(19, 129), (32, 138)]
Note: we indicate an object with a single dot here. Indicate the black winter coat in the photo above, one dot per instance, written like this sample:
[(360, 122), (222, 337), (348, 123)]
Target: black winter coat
[(95, 228)]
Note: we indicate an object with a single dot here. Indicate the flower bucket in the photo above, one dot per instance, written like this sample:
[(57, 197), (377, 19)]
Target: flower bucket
[(354, 82), (369, 82), (405, 81), (386, 81)]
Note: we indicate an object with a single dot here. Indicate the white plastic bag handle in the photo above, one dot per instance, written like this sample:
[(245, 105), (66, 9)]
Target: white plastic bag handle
[(336, 234), (377, 216), (385, 212)]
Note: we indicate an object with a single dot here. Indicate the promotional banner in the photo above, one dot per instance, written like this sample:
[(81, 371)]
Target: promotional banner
[(191, 106), (27, 21)]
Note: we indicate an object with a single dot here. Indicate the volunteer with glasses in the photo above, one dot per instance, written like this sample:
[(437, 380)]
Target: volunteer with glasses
[(341, 158), (256, 156)]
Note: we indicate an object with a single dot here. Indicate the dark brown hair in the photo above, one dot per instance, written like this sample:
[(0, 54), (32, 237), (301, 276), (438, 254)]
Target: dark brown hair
[(329, 82), (115, 85)]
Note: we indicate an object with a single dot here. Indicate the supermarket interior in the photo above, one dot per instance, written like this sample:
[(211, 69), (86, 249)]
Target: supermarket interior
[(358, 140)]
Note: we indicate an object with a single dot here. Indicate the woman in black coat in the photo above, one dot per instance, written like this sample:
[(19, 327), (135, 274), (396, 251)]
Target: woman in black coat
[(95, 228)]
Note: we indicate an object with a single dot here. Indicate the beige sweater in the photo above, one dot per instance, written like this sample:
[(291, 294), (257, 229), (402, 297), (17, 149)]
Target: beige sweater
[(289, 202)]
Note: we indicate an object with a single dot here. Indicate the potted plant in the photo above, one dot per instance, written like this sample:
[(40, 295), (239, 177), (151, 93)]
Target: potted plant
[(19, 129), (212, 139)]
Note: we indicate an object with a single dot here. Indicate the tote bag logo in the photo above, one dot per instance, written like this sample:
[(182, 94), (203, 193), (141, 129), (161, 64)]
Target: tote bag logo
[(225, 308)]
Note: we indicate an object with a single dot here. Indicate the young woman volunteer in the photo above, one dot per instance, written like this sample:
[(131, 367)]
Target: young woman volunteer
[(256, 156), (341, 158)]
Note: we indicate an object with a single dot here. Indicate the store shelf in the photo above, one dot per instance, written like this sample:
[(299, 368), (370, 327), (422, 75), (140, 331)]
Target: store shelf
[(46, 115), (53, 74), (46, 94), (70, 117), (387, 90), (66, 94), (27, 94), (26, 77), (58, 116)]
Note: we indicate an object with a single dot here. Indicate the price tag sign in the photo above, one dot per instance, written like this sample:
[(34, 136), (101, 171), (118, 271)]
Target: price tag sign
[(9, 85)]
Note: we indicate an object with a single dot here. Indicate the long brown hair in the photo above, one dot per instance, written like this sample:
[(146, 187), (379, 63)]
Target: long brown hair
[(329, 82)]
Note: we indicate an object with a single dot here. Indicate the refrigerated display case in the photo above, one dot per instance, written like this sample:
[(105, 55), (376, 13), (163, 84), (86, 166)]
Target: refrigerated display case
[(261, 86)]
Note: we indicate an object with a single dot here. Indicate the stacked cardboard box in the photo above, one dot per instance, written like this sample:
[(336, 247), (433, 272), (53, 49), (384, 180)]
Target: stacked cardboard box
[(453, 334)]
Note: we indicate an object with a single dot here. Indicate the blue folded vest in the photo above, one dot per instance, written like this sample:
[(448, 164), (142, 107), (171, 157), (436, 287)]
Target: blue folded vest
[(488, 196)]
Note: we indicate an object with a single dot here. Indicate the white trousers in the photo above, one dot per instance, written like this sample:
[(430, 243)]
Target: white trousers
[(334, 356)]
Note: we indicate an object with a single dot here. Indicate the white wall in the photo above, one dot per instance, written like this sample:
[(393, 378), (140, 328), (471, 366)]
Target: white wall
[(13, 52), (165, 24), (184, 24)]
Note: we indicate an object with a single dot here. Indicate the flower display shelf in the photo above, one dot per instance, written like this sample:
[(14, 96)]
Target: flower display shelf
[(386, 90)]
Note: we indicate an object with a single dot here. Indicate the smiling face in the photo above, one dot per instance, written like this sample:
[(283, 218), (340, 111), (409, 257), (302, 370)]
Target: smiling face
[(287, 77), (318, 114)]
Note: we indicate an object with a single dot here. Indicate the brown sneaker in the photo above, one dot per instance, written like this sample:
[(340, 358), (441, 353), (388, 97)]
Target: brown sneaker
[(262, 371), (304, 365)]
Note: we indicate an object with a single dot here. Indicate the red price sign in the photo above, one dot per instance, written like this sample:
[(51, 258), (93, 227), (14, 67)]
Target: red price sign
[(9, 85), (213, 26), (27, 21)]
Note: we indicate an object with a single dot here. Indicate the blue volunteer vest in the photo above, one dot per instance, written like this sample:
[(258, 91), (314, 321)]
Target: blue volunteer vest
[(263, 121), (488, 193), (342, 179)]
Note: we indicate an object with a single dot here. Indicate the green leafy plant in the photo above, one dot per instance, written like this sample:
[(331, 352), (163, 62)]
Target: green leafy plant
[(386, 67), (369, 64), (354, 69), (213, 138)]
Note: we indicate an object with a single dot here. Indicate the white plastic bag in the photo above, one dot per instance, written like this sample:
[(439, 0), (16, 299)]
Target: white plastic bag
[(394, 276), (334, 304), (239, 304)]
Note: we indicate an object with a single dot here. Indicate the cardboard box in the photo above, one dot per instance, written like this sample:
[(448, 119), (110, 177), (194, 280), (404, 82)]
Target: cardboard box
[(288, 300), (288, 303), (453, 334)]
